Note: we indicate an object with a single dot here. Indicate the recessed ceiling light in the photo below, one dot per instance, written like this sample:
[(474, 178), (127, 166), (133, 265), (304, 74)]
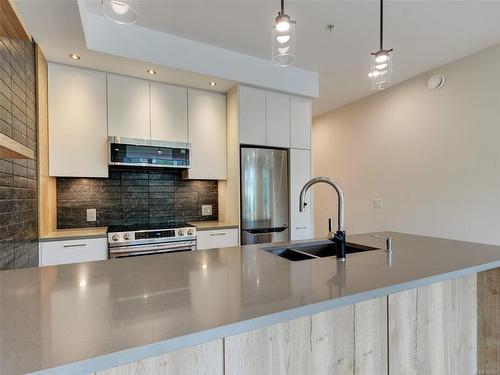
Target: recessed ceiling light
[(74, 56), (151, 71), (212, 83), (121, 11)]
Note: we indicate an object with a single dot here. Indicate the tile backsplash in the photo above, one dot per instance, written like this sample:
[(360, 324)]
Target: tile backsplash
[(134, 197), (18, 178)]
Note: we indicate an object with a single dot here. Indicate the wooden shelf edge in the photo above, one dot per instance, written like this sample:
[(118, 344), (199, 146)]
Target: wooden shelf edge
[(11, 149)]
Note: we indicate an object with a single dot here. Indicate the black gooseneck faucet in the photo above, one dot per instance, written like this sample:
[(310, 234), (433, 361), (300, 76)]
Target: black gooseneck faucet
[(339, 236)]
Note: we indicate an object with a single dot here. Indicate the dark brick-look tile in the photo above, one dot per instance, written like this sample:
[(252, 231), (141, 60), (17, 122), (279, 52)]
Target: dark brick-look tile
[(134, 196), (18, 187)]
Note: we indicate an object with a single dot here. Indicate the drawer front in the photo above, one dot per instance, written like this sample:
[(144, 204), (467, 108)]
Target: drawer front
[(73, 251), (210, 239)]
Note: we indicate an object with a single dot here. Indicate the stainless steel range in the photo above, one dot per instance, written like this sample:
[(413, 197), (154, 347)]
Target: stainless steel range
[(137, 241)]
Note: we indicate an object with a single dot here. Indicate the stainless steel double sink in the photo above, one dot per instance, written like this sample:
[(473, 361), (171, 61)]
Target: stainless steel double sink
[(312, 250)]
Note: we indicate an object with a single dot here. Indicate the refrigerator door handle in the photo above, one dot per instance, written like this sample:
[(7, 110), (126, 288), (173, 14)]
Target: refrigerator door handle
[(258, 231)]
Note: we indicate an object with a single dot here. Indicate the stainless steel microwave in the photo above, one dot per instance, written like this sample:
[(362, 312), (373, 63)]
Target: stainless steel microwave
[(148, 153)]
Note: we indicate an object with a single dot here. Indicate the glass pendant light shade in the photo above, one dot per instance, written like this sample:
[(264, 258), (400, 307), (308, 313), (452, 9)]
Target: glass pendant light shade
[(120, 11), (381, 62), (381, 69), (283, 41)]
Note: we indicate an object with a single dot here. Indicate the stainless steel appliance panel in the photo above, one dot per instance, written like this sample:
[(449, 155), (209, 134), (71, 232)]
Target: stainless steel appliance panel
[(264, 195), (139, 250), (148, 153)]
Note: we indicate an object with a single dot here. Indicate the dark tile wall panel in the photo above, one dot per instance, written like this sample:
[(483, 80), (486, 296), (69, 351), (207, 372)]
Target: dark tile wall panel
[(18, 185), (134, 197)]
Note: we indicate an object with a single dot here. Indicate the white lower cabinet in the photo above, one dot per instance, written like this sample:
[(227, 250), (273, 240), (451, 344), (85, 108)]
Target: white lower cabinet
[(211, 239), (300, 173), (73, 251)]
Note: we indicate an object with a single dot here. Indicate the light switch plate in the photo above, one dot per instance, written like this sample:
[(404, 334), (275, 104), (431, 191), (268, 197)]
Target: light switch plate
[(91, 214), (206, 209), (378, 203)]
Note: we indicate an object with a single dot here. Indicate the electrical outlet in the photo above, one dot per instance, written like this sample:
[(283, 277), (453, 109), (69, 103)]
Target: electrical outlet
[(91, 214), (378, 203), (206, 209)]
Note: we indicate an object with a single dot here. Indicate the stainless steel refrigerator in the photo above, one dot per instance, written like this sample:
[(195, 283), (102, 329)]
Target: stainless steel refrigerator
[(264, 195)]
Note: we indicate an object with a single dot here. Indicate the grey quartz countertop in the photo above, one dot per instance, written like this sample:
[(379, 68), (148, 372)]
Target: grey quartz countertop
[(79, 318), (74, 234), (212, 225)]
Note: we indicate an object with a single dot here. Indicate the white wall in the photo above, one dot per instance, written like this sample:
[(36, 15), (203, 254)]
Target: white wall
[(432, 156)]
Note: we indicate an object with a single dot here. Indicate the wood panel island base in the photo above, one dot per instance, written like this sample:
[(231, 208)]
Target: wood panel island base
[(432, 307), (426, 330)]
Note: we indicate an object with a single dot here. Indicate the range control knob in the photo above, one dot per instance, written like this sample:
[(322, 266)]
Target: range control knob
[(181, 232), (127, 236), (115, 237), (190, 232)]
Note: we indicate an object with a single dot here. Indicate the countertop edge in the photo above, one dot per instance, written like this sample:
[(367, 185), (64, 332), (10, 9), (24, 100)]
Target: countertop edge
[(211, 225), (228, 226), (74, 237), (150, 350)]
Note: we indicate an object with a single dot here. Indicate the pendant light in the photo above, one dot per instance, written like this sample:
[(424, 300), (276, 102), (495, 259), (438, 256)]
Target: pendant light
[(283, 39), (381, 70), (120, 11)]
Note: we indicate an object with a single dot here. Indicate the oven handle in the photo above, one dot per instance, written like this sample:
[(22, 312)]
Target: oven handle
[(151, 249)]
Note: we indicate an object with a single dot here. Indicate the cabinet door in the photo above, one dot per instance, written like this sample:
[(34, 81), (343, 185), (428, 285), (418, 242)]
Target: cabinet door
[(128, 107), (212, 239), (77, 122), (252, 116), (433, 329), (73, 251), (277, 119), (300, 173), (347, 340), (300, 122), (207, 135), (168, 112), (203, 359)]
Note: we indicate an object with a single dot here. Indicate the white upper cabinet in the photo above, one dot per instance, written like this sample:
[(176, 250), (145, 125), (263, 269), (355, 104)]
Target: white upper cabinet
[(300, 120), (252, 116), (77, 122), (168, 113), (128, 107), (300, 173), (207, 135), (277, 119), (268, 118)]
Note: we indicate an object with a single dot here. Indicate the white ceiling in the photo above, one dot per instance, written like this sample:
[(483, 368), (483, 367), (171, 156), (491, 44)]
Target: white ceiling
[(56, 26), (424, 34)]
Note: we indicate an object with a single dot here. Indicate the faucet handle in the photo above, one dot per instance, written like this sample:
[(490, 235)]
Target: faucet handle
[(330, 233), (388, 241)]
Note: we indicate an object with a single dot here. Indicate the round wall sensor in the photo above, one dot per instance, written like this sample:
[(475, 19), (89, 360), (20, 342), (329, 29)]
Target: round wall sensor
[(436, 81)]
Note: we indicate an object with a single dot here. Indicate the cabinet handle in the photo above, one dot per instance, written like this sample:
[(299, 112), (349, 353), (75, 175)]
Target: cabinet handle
[(301, 227), (218, 234), (76, 245)]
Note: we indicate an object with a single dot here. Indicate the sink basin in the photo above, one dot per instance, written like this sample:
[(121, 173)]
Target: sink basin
[(290, 254), (306, 251)]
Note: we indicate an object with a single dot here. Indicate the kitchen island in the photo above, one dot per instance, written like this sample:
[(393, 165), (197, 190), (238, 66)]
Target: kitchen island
[(243, 310)]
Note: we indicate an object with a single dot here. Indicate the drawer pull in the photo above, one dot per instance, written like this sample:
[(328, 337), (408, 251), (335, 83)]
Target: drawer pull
[(218, 234), (76, 245), (300, 227)]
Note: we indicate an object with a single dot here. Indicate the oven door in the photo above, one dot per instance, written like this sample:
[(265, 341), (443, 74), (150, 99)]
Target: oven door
[(139, 250)]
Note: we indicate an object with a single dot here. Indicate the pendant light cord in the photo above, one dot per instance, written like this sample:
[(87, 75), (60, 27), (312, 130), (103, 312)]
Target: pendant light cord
[(381, 23), (282, 7)]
